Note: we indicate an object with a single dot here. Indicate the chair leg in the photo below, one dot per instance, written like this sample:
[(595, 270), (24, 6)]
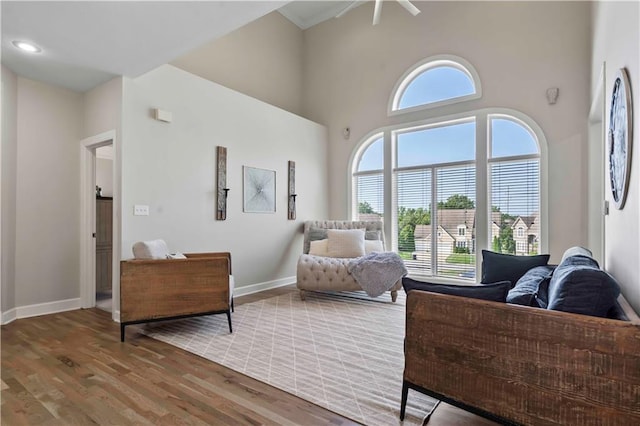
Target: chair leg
[(403, 402), (394, 295), (121, 332), (229, 319), (233, 309)]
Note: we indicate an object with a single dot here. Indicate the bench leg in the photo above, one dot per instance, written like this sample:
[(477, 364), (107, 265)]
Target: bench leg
[(403, 402), (302, 295), (394, 295)]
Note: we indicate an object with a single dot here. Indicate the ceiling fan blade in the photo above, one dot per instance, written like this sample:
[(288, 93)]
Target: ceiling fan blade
[(348, 8), (376, 12), (409, 6)]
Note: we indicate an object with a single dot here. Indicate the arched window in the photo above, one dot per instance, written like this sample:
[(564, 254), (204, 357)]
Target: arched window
[(465, 187), (368, 180), (436, 81)]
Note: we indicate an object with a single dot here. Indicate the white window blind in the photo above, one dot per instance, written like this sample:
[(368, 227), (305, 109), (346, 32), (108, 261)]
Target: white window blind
[(456, 193), (515, 194), (370, 195), (414, 194)]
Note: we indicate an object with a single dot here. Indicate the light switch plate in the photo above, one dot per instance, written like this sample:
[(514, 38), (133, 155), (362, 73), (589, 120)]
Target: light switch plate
[(140, 210)]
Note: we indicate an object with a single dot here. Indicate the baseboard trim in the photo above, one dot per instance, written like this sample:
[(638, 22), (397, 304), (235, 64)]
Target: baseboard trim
[(267, 285), (9, 316), (71, 304), (40, 309)]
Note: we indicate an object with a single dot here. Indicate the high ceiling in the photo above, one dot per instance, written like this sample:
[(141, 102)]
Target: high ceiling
[(85, 43)]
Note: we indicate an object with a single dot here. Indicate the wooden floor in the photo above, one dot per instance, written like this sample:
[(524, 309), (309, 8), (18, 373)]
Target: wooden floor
[(71, 369)]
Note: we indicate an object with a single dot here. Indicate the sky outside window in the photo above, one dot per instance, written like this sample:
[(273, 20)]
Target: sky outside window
[(436, 84)]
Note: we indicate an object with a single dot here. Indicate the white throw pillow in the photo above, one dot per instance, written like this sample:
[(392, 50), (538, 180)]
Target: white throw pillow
[(154, 249), (373, 246), (319, 248), (345, 242)]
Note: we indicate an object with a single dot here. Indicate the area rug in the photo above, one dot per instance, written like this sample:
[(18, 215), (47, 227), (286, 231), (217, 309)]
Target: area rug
[(342, 353)]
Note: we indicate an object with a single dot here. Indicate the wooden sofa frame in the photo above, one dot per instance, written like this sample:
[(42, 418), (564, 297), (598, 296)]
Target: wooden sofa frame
[(520, 365), (155, 290)]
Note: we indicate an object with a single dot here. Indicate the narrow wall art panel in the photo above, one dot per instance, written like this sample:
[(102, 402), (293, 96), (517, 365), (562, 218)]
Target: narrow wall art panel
[(291, 210), (222, 192)]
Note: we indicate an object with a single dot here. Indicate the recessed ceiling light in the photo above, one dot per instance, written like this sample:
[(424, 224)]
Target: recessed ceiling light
[(27, 47)]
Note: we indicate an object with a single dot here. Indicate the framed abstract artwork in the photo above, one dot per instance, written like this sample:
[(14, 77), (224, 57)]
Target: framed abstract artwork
[(619, 138), (259, 190)]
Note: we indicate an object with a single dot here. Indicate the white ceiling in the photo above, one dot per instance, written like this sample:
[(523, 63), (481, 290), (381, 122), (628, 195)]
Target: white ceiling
[(306, 14), (85, 43)]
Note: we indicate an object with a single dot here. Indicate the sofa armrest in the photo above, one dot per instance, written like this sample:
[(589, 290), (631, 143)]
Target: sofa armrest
[(527, 365), (153, 289)]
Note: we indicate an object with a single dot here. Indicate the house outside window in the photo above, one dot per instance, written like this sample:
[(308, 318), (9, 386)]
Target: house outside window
[(470, 178)]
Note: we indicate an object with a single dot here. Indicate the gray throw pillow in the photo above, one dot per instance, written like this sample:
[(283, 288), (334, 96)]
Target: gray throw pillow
[(321, 234), (530, 290), (579, 286)]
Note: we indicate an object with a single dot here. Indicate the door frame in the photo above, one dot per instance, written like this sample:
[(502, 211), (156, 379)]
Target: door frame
[(88, 221), (596, 170)]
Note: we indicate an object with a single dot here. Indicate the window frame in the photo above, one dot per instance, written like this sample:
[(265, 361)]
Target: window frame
[(424, 65), (482, 163)]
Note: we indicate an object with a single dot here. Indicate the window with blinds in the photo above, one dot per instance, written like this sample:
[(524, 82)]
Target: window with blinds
[(438, 183), (369, 182), (514, 173), (436, 167)]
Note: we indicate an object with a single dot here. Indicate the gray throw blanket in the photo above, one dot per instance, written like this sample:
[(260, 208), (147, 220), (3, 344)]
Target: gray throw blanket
[(377, 272)]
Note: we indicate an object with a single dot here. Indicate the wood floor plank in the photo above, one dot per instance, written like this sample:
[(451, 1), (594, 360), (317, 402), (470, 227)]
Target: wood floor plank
[(71, 369)]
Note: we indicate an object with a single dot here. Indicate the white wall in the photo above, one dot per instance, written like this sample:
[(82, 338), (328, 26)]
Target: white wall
[(47, 186), (104, 176), (616, 41), (171, 168), (103, 108), (519, 50), (263, 59), (102, 113), (8, 155)]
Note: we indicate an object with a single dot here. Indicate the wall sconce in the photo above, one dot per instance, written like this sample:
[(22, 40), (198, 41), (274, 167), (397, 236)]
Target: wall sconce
[(291, 209), (552, 95), (223, 191)]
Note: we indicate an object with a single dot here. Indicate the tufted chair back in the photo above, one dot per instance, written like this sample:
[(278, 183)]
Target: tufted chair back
[(367, 225)]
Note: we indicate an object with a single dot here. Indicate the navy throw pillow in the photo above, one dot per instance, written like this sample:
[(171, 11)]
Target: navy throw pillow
[(507, 267), (530, 290), (579, 286), (496, 292)]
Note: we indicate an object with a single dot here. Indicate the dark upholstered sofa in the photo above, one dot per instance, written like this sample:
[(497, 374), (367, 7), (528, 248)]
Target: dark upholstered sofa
[(525, 364)]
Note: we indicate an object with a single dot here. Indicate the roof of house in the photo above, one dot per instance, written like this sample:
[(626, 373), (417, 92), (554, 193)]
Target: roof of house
[(532, 223), (450, 219)]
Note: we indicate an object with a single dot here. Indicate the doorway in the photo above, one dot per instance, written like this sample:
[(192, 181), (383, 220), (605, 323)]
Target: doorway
[(104, 227), (100, 287)]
